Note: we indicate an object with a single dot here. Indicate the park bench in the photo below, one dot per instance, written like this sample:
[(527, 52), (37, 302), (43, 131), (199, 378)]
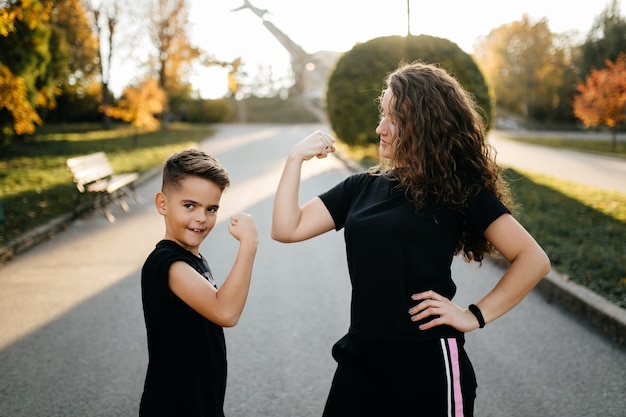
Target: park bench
[(93, 174)]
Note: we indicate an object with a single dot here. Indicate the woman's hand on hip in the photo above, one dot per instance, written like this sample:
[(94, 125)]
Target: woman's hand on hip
[(440, 310)]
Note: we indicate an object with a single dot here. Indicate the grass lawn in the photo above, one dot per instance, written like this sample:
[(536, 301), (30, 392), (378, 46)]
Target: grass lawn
[(582, 229), (35, 185)]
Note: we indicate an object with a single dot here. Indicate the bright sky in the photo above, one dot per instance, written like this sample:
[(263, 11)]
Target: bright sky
[(337, 25)]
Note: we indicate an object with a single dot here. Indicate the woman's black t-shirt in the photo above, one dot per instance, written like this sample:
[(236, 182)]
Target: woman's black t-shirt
[(395, 250), (186, 352)]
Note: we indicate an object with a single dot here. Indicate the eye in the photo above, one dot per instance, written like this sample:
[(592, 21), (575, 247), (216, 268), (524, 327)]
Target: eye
[(212, 209), (188, 206)]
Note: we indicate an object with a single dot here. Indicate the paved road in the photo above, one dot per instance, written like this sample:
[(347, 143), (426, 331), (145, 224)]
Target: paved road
[(604, 172), (72, 341)]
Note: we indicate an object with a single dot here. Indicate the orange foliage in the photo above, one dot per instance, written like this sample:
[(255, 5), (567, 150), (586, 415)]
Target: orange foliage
[(14, 98), (140, 105), (602, 98)]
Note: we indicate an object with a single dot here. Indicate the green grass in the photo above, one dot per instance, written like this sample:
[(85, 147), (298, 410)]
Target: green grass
[(582, 229), (36, 186)]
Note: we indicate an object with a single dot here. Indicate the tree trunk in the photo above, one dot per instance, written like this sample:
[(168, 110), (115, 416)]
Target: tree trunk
[(614, 139)]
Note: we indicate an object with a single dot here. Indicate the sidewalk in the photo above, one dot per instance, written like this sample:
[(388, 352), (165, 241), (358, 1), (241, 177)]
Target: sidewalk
[(599, 312)]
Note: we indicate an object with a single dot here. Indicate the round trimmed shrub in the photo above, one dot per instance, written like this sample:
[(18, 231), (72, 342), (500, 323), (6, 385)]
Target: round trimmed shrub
[(358, 79)]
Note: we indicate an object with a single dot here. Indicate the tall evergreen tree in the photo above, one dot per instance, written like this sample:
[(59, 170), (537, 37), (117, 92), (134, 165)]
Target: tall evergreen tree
[(606, 40)]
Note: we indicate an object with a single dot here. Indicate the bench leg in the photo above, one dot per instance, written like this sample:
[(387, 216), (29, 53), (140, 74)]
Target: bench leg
[(123, 204), (107, 213), (130, 190)]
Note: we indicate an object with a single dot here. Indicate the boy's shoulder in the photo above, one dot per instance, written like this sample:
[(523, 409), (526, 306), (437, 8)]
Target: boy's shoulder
[(166, 252)]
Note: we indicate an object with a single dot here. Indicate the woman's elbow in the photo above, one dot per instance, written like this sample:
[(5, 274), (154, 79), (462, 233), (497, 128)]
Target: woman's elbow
[(539, 263), (281, 237), (545, 263)]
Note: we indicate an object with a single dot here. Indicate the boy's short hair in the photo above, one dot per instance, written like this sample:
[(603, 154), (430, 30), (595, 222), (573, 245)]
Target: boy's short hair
[(192, 162)]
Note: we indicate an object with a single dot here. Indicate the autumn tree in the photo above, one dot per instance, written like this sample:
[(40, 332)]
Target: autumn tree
[(173, 50), (140, 104), (32, 59), (105, 20), (72, 19), (602, 97), (529, 68), (606, 40)]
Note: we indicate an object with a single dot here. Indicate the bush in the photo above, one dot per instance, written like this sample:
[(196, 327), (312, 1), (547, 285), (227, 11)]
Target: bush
[(202, 111), (357, 81)]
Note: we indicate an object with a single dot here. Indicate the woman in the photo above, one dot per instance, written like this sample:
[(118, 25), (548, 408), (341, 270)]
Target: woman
[(436, 193)]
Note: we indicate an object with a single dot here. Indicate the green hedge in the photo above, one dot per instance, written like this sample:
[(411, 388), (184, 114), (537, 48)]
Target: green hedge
[(357, 81)]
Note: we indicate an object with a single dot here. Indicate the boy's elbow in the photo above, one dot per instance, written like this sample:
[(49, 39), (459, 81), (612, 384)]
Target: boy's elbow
[(229, 320)]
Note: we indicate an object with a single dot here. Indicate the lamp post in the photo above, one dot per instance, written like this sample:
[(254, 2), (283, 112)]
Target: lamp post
[(408, 17)]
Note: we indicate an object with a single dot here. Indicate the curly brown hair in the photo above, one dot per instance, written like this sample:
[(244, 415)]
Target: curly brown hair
[(440, 148)]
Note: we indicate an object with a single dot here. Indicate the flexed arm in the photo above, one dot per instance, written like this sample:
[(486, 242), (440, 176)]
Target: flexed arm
[(222, 306), (290, 222)]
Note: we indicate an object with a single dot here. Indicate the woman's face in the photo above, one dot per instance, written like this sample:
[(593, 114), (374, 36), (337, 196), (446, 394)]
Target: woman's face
[(386, 128)]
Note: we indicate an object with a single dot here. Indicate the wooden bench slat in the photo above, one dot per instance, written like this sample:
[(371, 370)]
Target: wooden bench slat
[(121, 180)]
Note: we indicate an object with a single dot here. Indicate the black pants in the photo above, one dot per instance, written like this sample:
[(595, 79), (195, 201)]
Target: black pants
[(433, 378)]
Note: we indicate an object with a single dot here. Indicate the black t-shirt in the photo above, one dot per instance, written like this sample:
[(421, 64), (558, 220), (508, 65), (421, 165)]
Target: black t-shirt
[(395, 250), (186, 352)]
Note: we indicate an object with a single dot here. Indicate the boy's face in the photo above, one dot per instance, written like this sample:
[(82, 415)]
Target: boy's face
[(190, 212)]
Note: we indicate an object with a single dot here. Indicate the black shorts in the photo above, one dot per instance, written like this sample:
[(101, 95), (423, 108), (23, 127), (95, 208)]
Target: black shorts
[(433, 378)]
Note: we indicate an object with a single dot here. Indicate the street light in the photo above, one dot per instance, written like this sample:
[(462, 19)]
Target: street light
[(408, 17)]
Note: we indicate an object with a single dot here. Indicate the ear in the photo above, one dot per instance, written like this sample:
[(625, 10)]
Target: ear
[(160, 202)]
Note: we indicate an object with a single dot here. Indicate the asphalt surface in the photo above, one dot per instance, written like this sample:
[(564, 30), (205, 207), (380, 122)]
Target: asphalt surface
[(72, 341)]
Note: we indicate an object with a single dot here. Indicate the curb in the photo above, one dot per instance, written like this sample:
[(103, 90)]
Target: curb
[(55, 226), (600, 312)]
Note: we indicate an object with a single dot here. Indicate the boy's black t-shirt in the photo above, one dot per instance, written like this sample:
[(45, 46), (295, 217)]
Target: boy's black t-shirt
[(186, 352), (394, 251)]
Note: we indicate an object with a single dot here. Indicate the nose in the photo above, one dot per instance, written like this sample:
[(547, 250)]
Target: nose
[(379, 128)]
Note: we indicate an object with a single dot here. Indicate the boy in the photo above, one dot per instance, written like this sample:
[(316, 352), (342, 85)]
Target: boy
[(184, 311)]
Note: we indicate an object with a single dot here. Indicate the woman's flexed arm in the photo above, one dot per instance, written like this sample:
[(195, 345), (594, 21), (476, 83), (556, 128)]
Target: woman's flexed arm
[(290, 222)]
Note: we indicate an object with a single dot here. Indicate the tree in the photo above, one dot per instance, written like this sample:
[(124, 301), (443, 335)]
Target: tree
[(358, 78), (602, 97), (606, 40), (139, 105), (72, 19), (105, 18), (174, 52), (33, 56), (529, 68)]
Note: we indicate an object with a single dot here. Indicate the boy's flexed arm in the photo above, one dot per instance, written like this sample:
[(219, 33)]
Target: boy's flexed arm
[(224, 306)]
